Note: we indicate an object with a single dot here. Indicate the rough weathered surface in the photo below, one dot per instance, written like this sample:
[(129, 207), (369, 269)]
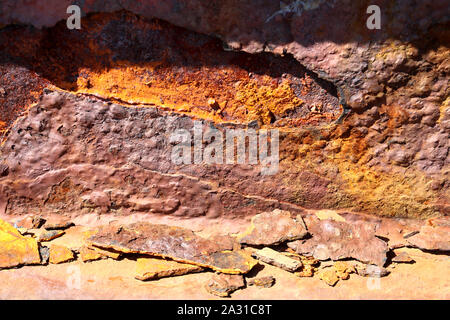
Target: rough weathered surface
[(15, 249), (62, 225), (395, 80), (390, 154), (264, 282), (176, 243), (60, 254), (31, 222), (223, 285), (431, 238), (371, 271), (43, 235), (271, 228), (277, 259), (92, 156), (341, 240), (87, 254), (402, 257), (152, 269), (329, 276)]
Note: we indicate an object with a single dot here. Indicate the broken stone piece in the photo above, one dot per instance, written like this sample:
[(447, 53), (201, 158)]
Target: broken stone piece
[(277, 259), (49, 235), (61, 225), (107, 253), (87, 254), (270, 228), (15, 249), (306, 271), (154, 268), (343, 270), (223, 285), (341, 240), (176, 243), (31, 222), (329, 276), (265, 282), (431, 238), (371, 271), (403, 257), (60, 254)]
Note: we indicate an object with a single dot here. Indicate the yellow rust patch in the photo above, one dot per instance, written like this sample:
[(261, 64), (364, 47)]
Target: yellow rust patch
[(235, 95), (60, 254), (15, 249)]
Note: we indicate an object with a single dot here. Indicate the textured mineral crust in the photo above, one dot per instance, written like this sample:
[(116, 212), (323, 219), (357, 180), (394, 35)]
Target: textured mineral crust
[(60, 254), (43, 235), (34, 222), (176, 243), (402, 257), (271, 228), (152, 268), (371, 271), (341, 240), (264, 282), (388, 154), (277, 259), (87, 254), (223, 285), (329, 276), (15, 249), (431, 238)]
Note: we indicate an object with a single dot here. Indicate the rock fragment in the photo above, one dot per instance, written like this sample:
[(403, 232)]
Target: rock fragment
[(15, 249), (306, 271), (223, 285), (49, 235), (60, 254), (108, 253), (270, 228), (433, 238), (264, 282), (61, 225), (87, 254), (34, 222), (153, 268), (277, 259), (179, 244), (343, 270), (338, 240), (402, 257), (329, 276), (371, 271)]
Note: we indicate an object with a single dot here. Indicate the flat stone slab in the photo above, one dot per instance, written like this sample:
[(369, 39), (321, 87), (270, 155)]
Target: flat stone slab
[(87, 254), (271, 228), (338, 240), (176, 243), (43, 236), (431, 238), (15, 249), (152, 268), (60, 254), (277, 259)]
